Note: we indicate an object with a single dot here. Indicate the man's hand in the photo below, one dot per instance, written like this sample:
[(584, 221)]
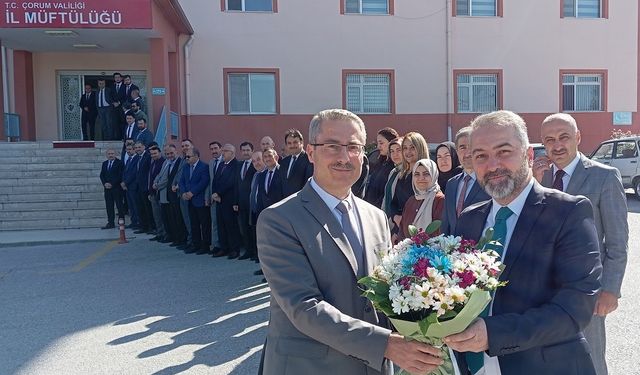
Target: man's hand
[(541, 164), (174, 188), (154, 186), (473, 339), (189, 194), (235, 207), (413, 356), (186, 196), (107, 185), (606, 304), (86, 109)]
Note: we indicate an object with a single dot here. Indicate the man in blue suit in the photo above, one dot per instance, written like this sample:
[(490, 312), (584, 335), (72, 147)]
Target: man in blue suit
[(193, 184), (143, 205), (549, 245), (145, 135), (462, 190), (129, 184)]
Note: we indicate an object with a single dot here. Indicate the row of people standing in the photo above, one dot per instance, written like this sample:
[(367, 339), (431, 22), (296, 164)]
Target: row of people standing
[(110, 104)]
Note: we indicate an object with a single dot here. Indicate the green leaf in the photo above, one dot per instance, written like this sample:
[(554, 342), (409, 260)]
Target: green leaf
[(412, 230), (488, 235), (433, 227)]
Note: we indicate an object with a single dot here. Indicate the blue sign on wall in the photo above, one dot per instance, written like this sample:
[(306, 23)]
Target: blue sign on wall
[(158, 91), (622, 118)]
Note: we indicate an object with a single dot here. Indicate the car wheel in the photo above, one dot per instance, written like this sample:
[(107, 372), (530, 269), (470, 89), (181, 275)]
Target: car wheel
[(636, 187)]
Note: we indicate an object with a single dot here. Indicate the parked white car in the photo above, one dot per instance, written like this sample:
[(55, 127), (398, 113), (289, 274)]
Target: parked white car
[(622, 153)]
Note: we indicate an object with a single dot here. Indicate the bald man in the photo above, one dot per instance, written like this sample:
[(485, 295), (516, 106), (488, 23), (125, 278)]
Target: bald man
[(224, 192)]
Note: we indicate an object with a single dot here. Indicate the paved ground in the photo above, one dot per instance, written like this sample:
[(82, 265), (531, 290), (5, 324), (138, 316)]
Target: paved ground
[(145, 308)]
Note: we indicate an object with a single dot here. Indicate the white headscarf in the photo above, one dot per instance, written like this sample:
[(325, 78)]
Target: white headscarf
[(423, 216)]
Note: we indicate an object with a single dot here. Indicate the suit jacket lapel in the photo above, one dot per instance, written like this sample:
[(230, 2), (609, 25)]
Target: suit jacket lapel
[(319, 210), (475, 189), (366, 216), (578, 177), (476, 223), (533, 207)]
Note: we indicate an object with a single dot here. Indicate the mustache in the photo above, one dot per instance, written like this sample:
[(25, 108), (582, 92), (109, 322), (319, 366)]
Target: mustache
[(346, 166), (496, 173)]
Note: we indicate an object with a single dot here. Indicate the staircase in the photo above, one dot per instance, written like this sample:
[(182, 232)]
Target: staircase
[(42, 187)]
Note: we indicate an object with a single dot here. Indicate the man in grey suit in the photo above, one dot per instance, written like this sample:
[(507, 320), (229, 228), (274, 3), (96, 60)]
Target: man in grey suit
[(313, 249), (462, 190), (565, 169), (217, 160)]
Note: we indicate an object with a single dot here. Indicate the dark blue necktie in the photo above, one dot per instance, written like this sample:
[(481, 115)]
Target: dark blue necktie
[(350, 228), (475, 361)]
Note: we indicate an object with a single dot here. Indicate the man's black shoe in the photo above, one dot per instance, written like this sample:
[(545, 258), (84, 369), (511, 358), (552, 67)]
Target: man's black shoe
[(258, 272), (232, 255), (109, 226), (245, 256), (219, 253), (190, 250), (156, 238), (164, 241), (140, 231)]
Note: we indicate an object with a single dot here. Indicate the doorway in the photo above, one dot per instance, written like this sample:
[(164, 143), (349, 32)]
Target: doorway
[(71, 87)]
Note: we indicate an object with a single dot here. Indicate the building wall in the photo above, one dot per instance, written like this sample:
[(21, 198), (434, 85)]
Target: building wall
[(310, 43), (45, 68)]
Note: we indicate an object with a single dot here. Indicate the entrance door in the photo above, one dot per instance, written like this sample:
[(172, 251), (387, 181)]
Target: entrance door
[(71, 87)]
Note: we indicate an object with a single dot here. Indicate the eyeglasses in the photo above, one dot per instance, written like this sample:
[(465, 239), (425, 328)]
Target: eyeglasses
[(353, 149)]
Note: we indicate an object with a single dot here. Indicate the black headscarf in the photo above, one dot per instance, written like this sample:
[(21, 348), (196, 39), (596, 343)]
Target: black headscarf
[(455, 165)]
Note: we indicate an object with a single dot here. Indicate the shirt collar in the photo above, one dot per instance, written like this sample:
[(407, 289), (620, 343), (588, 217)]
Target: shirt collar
[(569, 169), (472, 175), (329, 199), (297, 155), (517, 204)]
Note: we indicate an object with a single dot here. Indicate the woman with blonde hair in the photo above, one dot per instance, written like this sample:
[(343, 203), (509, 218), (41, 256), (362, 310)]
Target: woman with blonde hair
[(414, 148), (427, 203)]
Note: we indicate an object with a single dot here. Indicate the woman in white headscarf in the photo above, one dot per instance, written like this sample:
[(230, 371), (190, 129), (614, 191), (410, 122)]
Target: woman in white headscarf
[(427, 202)]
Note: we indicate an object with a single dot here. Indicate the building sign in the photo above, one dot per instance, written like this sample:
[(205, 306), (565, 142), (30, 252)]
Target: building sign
[(622, 118), (90, 14), (158, 91)]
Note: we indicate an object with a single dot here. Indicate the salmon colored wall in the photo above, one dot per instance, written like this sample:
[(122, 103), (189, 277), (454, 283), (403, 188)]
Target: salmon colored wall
[(24, 94)]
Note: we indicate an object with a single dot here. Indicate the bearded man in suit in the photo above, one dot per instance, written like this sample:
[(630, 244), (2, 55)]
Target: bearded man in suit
[(547, 240), (313, 249), (566, 169)]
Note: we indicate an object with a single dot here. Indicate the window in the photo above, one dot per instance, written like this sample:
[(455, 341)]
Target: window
[(582, 92), (604, 152), (249, 5), (626, 150), (368, 6), (251, 92), (368, 91), (583, 8), (477, 92), (476, 8)]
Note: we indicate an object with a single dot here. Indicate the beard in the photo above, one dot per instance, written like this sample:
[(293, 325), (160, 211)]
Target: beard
[(512, 182)]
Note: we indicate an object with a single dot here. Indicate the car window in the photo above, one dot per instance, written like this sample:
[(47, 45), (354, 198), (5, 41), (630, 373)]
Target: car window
[(626, 150), (605, 151)]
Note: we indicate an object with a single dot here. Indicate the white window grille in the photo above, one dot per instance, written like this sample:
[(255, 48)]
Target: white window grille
[(368, 93), (367, 6), (252, 93), (582, 92), (582, 8), (476, 8), (477, 93), (250, 5)]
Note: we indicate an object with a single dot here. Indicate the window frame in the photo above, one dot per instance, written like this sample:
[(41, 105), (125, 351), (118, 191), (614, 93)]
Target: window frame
[(499, 10), (499, 86), (224, 8), (603, 87), (227, 99), (392, 88), (390, 9), (604, 11)]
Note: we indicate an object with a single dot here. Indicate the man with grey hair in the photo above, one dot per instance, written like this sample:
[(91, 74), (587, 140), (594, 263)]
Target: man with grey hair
[(313, 249), (462, 190), (267, 142), (566, 169), (548, 243), (224, 194)]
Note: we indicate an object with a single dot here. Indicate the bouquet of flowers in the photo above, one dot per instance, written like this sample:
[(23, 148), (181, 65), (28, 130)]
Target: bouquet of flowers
[(434, 286)]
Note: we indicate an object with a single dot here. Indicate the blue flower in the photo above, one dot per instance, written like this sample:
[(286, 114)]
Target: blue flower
[(436, 257)]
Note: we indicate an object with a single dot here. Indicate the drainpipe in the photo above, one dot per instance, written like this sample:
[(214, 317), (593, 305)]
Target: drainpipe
[(448, 64), (5, 76), (187, 79)]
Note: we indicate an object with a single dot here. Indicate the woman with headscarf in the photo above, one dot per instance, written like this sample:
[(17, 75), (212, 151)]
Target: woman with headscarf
[(447, 161), (379, 172), (414, 148), (427, 203)]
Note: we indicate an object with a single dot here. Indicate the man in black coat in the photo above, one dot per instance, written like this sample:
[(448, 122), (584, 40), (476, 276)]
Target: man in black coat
[(88, 105), (224, 192), (111, 177), (142, 181), (295, 169), (245, 176), (106, 102)]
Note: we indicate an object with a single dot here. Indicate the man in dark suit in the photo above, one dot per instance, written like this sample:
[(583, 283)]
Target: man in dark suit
[(145, 135), (548, 242), (129, 184), (131, 127), (462, 190), (129, 86), (224, 192), (142, 194), (296, 168), (270, 184), (118, 104), (245, 177), (193, 184), (105, 102), (566, 169), (155, 167), (88, 104), (111, 177), (169, 200), (258, 165)]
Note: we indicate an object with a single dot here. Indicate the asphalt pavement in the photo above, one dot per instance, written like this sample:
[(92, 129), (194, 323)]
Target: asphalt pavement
[(92, 306)]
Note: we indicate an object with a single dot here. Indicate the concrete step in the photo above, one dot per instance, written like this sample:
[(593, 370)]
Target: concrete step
[(56, 159), (53, 152), (52, 205), (47, 214), (53, 182), (27, 189), (53, 196), (68, 172), (87, 164), (53, 223)]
